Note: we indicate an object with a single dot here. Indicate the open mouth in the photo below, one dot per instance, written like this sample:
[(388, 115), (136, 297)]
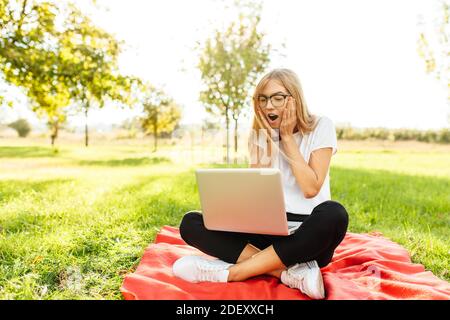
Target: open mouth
[(272, 116)]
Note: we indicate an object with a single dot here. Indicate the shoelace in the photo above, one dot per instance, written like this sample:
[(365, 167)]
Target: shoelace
[(297, 282), (207, 269), (296, 279)]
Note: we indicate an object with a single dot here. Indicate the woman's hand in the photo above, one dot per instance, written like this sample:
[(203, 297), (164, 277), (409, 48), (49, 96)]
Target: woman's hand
[(264, 123), (263, 154), (289, 119)]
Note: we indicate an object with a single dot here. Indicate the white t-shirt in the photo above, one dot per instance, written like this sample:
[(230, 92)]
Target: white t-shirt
[(323, 135)]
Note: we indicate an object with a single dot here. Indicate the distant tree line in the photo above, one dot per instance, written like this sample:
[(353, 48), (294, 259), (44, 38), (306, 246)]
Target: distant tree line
[(435, 136)]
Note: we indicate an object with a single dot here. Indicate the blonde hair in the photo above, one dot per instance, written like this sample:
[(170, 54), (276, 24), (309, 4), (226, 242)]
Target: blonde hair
[(306, 122)]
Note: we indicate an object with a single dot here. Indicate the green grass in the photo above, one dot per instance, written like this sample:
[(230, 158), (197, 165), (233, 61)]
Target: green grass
[(74, 221)]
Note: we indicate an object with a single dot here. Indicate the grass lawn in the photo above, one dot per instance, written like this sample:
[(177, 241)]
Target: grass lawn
[(73, 222)]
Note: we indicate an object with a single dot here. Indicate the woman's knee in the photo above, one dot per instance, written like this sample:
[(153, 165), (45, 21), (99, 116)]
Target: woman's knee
[(325, 259), (333, 212), (189, 224)]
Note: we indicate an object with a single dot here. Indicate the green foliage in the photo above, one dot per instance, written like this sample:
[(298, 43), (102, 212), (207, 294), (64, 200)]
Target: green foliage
[(161, 113), (435, 136), (230, 63), (22, 127)]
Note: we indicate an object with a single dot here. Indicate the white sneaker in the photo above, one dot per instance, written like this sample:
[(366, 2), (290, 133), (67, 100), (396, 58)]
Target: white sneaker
[(306, 277), (199, 269)]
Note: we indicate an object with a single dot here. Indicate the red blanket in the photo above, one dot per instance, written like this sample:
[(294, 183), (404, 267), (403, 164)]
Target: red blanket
[(363, 267)]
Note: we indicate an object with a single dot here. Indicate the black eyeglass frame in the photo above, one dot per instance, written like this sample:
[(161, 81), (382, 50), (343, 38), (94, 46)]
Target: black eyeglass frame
[(270, 98)]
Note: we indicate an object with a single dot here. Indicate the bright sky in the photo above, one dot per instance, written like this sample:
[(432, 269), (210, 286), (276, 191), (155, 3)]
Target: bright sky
[(356, 59)]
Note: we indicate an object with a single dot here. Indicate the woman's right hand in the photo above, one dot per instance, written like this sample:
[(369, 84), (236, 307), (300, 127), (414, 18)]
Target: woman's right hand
[(264, 154), (263, 121)]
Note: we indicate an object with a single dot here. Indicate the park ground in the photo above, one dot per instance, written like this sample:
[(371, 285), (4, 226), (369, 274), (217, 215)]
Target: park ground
[(75, 220)]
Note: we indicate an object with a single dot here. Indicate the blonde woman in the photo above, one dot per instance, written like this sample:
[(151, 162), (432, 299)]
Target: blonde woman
[(287, 136)]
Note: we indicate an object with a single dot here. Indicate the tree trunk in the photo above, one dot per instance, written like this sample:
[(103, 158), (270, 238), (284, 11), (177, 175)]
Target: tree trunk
[(52, 139), (155, 135), (54, 133), (235, 139), (227, 118), (86, 133), (202, 136)]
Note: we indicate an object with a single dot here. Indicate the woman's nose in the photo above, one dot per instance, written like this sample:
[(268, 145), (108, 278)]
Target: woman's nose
[(269, 105)]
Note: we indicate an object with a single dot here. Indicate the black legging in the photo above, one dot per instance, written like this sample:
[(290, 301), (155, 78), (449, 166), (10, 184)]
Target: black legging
[(316, 239)]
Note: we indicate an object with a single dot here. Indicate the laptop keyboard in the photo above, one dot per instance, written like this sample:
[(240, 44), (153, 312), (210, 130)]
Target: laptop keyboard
[(293, 224)]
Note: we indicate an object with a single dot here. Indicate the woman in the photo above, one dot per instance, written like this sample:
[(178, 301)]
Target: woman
[(286, 136)]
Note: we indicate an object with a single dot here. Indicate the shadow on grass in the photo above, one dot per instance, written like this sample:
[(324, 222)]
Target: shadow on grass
[(151, 201), (125, 162), (28, 152)]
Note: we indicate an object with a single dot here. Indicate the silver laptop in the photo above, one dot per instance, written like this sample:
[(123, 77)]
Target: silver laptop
[(246, 200)]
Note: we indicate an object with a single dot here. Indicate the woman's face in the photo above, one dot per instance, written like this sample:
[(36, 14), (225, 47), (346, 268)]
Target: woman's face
[(273, 113)]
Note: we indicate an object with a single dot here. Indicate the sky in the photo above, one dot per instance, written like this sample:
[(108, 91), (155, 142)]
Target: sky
[(357, 60)]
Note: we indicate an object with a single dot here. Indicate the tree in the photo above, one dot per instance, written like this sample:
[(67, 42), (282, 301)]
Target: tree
[(52, 107), (230, 64), (89, 56), (22, 127), (161, 113)]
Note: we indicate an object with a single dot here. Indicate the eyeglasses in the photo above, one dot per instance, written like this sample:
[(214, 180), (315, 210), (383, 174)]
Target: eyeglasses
[(276, 99)]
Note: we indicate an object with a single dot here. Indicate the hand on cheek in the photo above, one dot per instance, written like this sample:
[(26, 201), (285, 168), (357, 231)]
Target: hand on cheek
[(289, 119)]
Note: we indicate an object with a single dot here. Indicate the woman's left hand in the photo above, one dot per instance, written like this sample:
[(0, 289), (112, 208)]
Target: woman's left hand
[(289, 119)]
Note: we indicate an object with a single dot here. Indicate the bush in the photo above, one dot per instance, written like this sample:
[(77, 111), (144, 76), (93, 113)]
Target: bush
[(444, 136), (406, 134), (22, 127), (434, 136)]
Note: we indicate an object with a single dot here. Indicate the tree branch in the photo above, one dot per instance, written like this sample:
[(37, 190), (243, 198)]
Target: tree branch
[(22, 17)]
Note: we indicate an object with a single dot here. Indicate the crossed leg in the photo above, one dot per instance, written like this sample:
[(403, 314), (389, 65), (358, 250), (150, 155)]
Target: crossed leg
[(253, 262)]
